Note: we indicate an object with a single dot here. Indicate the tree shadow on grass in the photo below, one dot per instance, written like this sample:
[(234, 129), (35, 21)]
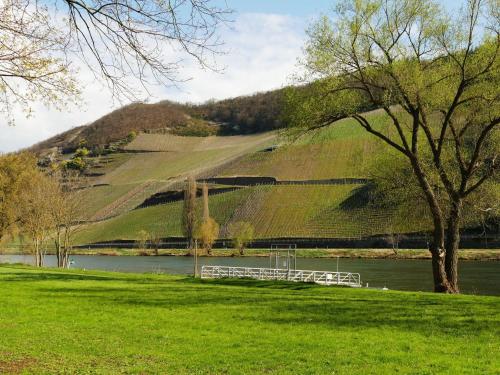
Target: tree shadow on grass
[(424, 314), (279, 303)]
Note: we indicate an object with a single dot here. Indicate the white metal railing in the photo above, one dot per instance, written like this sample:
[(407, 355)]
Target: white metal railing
[(319, 277)]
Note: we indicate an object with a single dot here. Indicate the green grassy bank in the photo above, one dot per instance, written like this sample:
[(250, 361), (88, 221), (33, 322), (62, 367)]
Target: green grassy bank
[(464, 254), (96, 322)]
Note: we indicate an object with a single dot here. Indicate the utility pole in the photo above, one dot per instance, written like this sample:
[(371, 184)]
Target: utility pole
[(338, 276), (195, 258)]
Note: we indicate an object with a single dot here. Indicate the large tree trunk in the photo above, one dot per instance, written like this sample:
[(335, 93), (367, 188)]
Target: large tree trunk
[(437, 246), (452, 244)]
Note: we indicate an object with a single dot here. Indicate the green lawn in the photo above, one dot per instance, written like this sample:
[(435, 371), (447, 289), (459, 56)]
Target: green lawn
[(96, 322)]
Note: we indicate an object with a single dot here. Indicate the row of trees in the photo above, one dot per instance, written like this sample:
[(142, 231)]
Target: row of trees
[(44, 209), (206, 230)]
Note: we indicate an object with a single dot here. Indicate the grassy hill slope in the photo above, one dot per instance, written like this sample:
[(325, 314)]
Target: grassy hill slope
[(312, 198), (132, 177)]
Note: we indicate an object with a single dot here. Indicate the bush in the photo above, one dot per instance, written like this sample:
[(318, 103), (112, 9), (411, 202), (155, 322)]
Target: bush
[(131, 136), (81, 152), (76, 163)]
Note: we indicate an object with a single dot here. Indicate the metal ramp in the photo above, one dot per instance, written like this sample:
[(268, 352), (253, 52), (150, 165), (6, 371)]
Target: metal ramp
[(318, 277)]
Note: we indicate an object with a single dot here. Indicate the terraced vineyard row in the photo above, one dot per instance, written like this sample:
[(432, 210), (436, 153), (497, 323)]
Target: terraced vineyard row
[(275, 211)]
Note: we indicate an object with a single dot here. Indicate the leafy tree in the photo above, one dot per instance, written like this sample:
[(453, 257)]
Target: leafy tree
[(208, 233), (242, 233), (436, 78), (16, 172)]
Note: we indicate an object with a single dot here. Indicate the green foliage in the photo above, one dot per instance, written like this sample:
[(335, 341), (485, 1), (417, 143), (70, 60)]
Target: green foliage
[(207, 233), (77, 163), (131, 136), (242, 233), (109, 323), (81, 152), (16, 172)]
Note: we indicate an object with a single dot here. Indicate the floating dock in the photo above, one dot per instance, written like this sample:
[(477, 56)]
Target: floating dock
[(306, 276)]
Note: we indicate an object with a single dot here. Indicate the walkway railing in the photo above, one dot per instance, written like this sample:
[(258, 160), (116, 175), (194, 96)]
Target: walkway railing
[(319, 277)]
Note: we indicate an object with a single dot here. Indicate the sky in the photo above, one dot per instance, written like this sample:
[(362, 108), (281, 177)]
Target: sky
[(262, 45)]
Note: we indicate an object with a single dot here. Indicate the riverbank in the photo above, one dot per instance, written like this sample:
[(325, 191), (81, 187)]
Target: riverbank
[(466, 254), (105, 322)]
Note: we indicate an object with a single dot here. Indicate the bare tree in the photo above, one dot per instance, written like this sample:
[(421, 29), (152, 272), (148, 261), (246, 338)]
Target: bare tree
[(68, 214), (437, 79), (125, 44), (189, 211), (206, 210), (155, 240), (35, 216)]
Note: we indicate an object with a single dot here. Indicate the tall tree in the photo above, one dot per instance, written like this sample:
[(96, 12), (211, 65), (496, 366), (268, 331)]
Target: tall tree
[(189, 211), (123, 43), (67, 211), (16, 172), (35, 218), (436, 76), (206, 210)]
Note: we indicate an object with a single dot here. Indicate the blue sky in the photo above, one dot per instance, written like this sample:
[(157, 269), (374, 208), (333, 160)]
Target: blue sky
[(262, 45), (297, 8)]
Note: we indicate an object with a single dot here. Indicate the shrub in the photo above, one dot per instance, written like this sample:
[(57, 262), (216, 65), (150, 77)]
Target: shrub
[(76, 163), (242, 233), (81, 152)]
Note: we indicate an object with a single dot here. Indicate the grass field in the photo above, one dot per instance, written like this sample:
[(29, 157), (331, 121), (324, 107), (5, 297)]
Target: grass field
[(108, 323)]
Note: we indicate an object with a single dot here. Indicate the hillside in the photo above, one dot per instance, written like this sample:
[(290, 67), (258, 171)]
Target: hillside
[(314, 186), (241, 115)]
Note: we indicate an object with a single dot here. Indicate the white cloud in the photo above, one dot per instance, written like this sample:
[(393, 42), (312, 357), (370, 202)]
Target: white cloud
[(261, 55)]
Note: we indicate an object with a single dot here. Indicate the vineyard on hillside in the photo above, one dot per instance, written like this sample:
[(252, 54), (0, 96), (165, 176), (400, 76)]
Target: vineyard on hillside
[(314, 211)]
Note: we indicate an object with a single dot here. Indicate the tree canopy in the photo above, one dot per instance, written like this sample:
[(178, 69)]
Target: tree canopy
[(436, 77)]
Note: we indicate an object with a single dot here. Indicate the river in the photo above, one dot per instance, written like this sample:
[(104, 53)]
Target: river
[(476, 277)]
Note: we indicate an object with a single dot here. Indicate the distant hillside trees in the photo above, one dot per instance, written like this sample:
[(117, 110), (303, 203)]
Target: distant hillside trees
[(121, 43), (437, 78), (246, 114)]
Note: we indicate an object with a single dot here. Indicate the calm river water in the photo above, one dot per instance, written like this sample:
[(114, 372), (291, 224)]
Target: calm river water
[(476, 277)]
